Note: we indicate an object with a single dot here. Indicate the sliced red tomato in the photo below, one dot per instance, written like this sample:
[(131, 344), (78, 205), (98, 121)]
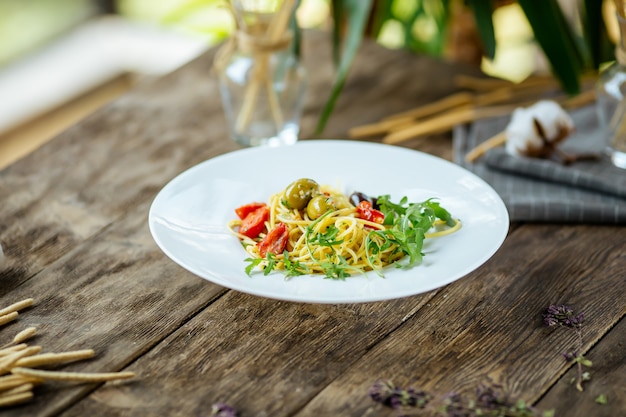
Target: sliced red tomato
[(275, 241), (246, 209), (254, 223), (366, 212)]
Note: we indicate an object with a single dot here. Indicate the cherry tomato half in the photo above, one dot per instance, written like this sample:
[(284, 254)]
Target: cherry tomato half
[(246, 209), (275, 241), (366, 212), (254, 222)]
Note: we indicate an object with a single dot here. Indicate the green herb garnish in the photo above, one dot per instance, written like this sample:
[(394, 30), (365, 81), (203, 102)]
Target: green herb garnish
[(406, 226), (408, 223)]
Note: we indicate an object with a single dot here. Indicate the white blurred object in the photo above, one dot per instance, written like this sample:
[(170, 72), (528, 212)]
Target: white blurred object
[(1, 255), (536, 130), (87, 57)]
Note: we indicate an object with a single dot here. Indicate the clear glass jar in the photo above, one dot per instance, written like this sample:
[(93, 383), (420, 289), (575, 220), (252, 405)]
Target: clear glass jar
[(262, 83), (611, 102)]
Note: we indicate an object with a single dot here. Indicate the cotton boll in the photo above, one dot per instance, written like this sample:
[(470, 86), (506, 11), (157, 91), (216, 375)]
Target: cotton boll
[(536, 130)]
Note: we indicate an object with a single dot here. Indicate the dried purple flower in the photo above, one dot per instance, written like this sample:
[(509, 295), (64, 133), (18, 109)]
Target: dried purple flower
[(409, 398), (382, 391), (562, 315), (386, 393), (453, 406), (223, 410), (490, 399)]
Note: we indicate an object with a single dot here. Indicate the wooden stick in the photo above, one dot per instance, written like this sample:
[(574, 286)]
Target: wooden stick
[(15, 399), (272, 98), (445, 122), (435, 107), (54, 358), (480, 84), (407, 118), (379, 128), (72, 376), (276, 29), (17, 306), (582, 99), (494, 141), (490, 84)]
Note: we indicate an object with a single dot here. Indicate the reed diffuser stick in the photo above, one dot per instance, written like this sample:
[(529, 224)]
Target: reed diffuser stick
[(274, 35)]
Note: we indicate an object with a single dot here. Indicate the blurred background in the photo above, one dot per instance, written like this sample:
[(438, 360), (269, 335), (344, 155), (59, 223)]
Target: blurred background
[(62, 59)]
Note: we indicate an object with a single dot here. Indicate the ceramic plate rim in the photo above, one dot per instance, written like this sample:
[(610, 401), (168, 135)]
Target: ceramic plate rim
[(164, 234)]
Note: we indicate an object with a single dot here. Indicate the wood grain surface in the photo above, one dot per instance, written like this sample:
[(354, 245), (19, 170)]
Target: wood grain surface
[(74, 229)]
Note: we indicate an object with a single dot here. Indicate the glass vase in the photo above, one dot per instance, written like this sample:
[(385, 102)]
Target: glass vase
[(261, 81), (611, 101)]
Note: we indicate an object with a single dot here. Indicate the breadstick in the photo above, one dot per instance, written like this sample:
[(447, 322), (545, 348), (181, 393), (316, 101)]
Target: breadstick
[(17, 306), (446, 103), (24, 335), (72, 376), (492, 142), (6, 318), (11, 349), (15, 398), (444, 122), (11, 381), (23, 387), (54, 358), (9, 360)]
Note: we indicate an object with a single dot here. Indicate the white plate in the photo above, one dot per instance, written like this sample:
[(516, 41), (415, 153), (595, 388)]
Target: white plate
[(188, 217)]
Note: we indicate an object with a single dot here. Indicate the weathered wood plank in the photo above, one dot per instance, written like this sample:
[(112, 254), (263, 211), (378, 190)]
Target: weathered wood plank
[(113, 298), (608, 378), (192, 343), (490, 329), (261, 354), (280, 358), (115, 293), (118, 158), (61, 194)]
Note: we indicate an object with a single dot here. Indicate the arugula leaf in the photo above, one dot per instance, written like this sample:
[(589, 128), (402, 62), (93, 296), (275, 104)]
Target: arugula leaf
[(327, 238), (409, 223), (440, 212), (254, 262), (294, 268), (271, 263), (337, 267)]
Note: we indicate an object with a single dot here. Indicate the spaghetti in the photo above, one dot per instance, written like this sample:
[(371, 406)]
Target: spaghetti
[(308, 229)]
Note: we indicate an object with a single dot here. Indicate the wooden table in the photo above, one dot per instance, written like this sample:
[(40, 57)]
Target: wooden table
[(74, 229)]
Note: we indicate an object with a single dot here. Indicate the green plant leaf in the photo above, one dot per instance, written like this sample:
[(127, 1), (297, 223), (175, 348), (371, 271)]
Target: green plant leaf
[(382, 13), (555, 38), (595, 33), (356, 14), (483, 12), (601, 399), (297, 32)]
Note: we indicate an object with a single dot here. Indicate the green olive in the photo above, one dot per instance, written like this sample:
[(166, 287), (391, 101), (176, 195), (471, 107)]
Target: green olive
[(319, 205), (299, 193)]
